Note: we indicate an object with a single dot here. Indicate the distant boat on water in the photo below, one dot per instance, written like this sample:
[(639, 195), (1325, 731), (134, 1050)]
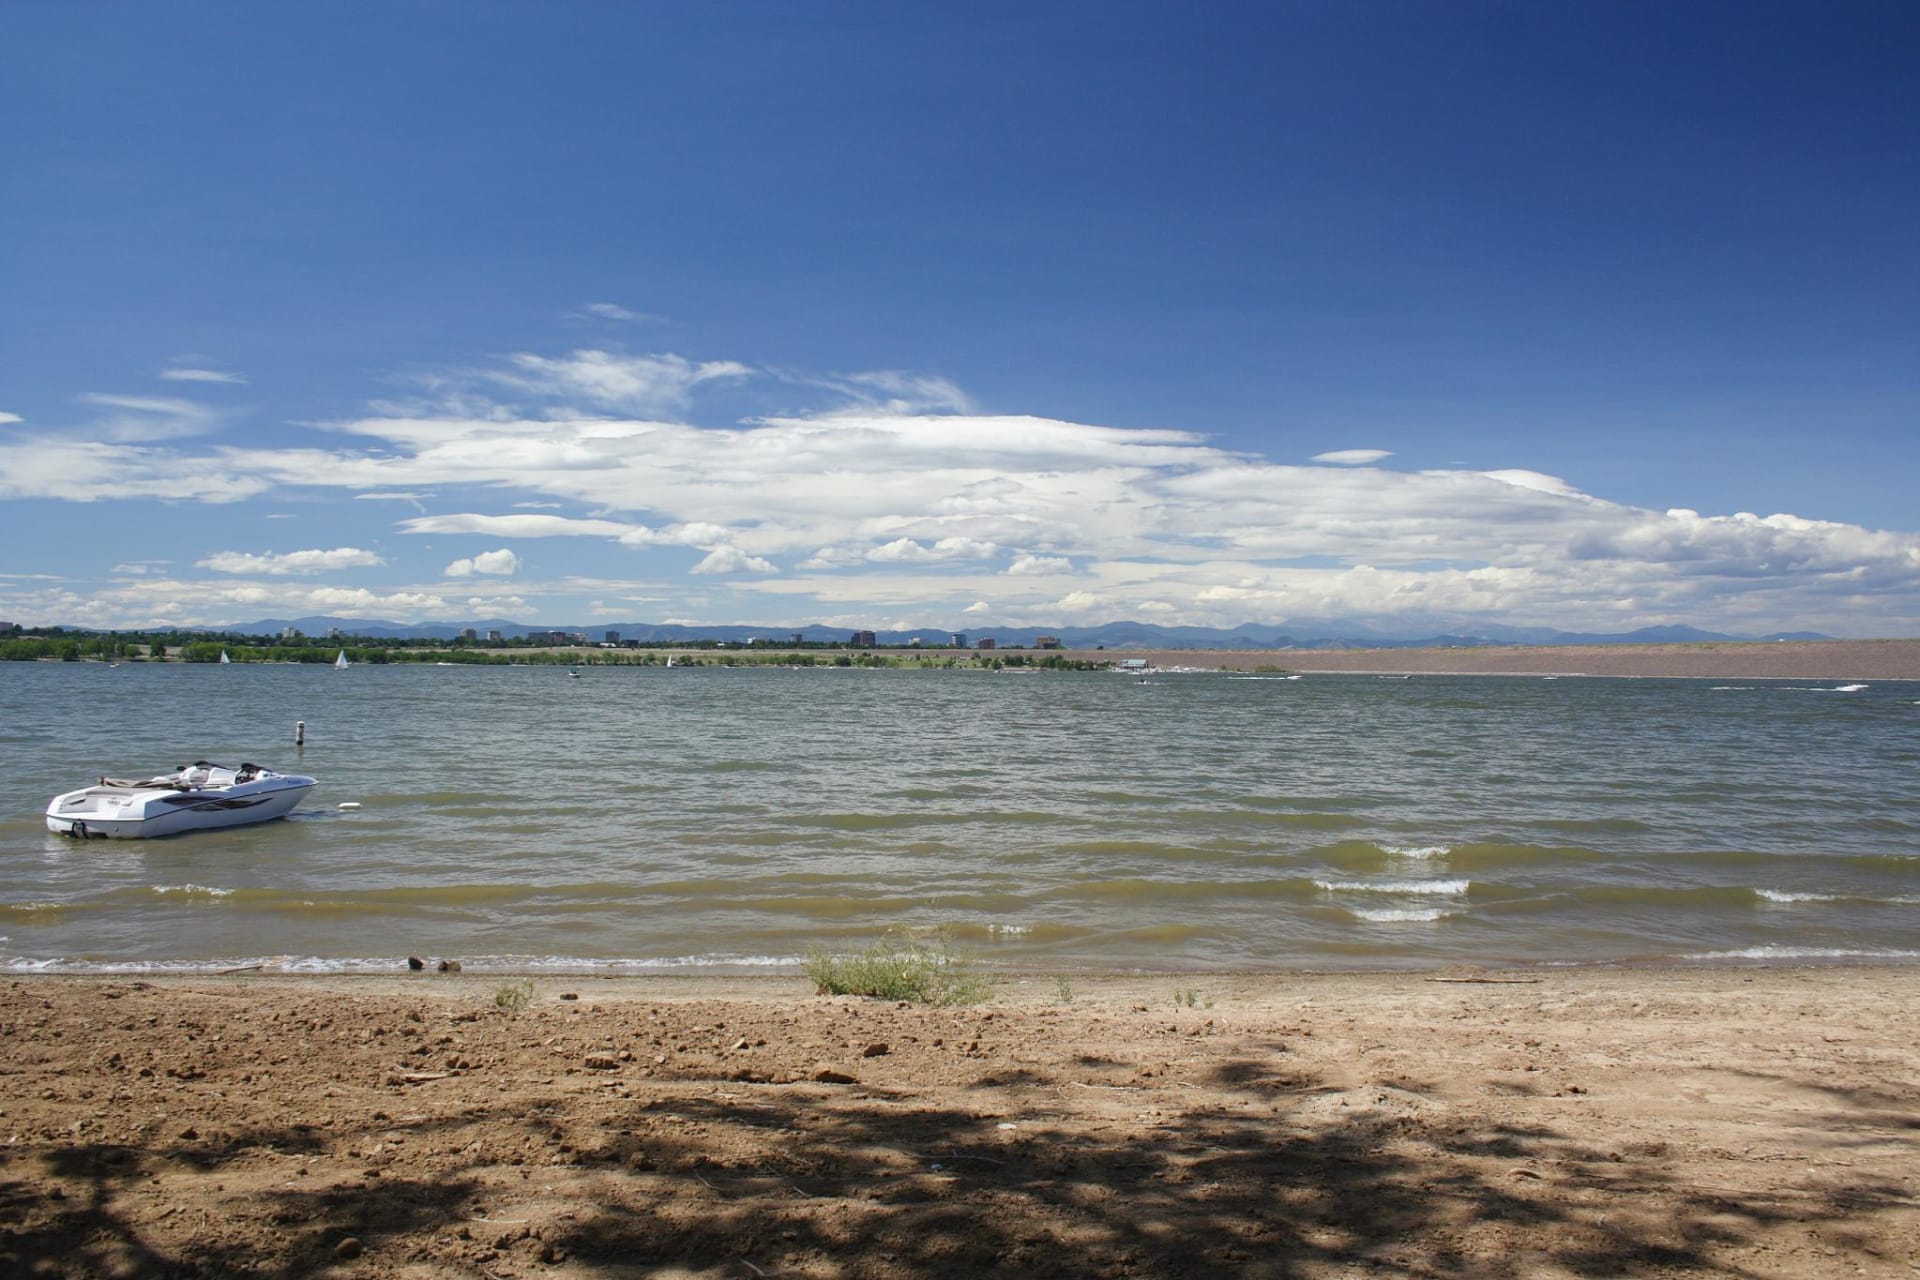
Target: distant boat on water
[(225, 661), (340, 663)]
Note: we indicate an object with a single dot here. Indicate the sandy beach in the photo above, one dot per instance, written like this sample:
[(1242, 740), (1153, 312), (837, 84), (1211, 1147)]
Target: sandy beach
[(1735, 660), (1758, 1122)]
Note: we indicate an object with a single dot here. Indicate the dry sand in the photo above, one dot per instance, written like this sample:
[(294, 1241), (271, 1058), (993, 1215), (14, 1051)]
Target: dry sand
[(1589, 1122)]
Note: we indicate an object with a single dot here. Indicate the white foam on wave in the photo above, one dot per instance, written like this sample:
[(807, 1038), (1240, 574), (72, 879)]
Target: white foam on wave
[(1402, 915), (1788, 896), (192, 891), (1418, 853), (573, 965), (1009, 930), (1449, 888), (1774, 951)]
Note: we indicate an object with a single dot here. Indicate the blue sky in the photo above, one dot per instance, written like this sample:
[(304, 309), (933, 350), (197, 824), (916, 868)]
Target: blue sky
[(874, 314)]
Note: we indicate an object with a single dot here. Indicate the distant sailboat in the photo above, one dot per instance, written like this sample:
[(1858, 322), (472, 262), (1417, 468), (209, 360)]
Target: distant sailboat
[(225, 661), (340, 663)]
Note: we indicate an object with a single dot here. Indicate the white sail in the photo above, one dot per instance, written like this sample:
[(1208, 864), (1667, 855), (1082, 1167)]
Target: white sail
[(225, 661), (340, 663)]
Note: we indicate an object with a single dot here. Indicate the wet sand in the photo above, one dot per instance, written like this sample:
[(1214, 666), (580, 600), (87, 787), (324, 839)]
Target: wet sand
[(1556, 1122)]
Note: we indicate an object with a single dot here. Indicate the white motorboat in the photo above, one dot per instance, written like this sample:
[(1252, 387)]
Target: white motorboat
[(193, 798)]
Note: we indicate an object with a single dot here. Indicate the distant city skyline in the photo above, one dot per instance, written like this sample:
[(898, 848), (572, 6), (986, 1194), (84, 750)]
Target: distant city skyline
[(876, 317)]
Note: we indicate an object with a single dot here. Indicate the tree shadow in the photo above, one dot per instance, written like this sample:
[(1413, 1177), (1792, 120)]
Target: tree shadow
[(1270, 1172)]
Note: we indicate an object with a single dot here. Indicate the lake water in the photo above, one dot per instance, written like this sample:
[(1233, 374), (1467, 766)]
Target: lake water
[(636, 819)]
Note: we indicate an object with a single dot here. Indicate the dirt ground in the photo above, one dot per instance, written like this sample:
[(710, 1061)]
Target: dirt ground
[(1585, 1122)]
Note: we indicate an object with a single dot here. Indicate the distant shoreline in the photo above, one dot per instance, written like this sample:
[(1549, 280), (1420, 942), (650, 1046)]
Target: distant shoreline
[(1735, 660)]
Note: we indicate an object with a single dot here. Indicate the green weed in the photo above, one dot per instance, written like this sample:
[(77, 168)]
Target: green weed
[(899, 966)]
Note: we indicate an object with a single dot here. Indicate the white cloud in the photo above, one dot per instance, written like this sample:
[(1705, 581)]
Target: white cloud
[(896, 391), (10, 417), (291, 562), (885, 512), (88, 471), (733, 560), (648, 384), (499, 563), (520, 526), (1353, 457), (609, 311), (135, 419), (200, 375), (953, 548)]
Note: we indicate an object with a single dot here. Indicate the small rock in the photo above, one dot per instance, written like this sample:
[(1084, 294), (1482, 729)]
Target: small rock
[(569, 995), (350, 1247), (415, 963), (449, 966), (827, 1075), (877, 1049), (602, 1062)]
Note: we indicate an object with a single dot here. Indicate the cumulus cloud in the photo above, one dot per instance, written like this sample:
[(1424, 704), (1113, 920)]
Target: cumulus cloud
[(1353, 457), (290, 562), (499, 563), (10, 417), (953, 548), (733, 560), (933, 510)]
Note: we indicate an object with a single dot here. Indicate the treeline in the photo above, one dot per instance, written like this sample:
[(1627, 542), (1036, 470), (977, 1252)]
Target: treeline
[(198, 647)]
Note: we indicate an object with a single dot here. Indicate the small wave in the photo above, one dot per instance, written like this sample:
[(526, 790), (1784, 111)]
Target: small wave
[(1448, 888), (1789, 896), (1421, 853), (1009, 930), (359, 965), (1402, 915), (1774, 951), (190, 891)]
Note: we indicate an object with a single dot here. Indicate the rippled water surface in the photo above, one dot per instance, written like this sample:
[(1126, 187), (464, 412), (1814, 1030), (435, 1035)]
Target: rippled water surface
[(631, 818)]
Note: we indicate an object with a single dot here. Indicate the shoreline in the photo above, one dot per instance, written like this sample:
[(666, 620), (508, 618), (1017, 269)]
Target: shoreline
[(746, 979), (1752, 1120), (1706, 660)]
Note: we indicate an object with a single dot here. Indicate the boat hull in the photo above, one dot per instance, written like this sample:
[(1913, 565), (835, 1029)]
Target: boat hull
[(121, 813)]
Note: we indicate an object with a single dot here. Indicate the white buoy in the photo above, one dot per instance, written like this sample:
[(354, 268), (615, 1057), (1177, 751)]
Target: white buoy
[(349, 804)]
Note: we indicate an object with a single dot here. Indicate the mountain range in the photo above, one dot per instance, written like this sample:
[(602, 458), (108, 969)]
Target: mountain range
[(1336, 634)]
